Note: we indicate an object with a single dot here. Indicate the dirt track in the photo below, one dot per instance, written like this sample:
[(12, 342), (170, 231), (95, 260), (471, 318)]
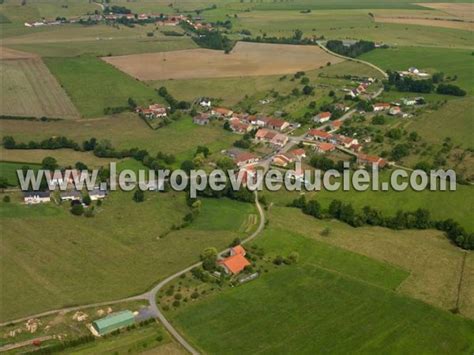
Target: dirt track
[(246, 59)]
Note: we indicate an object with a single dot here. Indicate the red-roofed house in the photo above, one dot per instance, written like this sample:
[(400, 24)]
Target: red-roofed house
[(347, 142), (322, 117), (299, 153), (276, 124), (237, 250), (336, 124), (221, 112), (153, 111), (325, 147), (282, 159), (234, 264), (371, 160), (239, 127), (319, 135), (244, 158)]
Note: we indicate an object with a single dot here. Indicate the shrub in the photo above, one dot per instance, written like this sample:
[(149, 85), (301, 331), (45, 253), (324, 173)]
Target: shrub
[(6, 199), (77, 210)]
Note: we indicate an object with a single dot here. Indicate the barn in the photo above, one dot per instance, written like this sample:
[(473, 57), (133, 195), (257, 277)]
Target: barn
[(113, 322)]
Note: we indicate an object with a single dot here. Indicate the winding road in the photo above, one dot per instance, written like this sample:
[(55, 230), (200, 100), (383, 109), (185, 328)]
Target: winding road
[(150, 295)]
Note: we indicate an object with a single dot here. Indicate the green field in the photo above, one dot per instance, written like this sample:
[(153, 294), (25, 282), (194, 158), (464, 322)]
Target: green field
[(8, 171), (316, 306), (94, 85), (53, 258), (449, 61)]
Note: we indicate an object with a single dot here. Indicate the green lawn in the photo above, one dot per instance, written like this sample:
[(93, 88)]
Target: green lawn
[(51, 258), (327, 303), (94, 85)]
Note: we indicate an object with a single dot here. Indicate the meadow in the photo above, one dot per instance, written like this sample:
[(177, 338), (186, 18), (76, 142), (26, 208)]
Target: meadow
[(53, 259), (29, 89), (123, 131), (8, 171), (313, 305), (433, 263), (94, 85)]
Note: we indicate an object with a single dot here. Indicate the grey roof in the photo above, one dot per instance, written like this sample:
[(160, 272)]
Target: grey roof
[(98, 192), (37, 193), (73, 193)]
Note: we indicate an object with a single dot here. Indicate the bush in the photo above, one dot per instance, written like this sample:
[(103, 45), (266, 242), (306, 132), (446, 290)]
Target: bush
[(194, 295), (178, 296), (176, 304), (278, 260), (77, 210), (6, 199)]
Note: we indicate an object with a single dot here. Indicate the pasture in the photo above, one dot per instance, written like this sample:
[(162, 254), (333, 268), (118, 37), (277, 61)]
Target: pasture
[(124, 131), (93, 85), (433, 262), (8, 171), (51, 258), (29, 89), (312, 306), (246, 59)]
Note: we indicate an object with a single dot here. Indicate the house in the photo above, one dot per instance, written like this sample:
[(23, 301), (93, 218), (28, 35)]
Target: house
[(239, 127), (394, 111), (370, 160), (276, 124), (206, 103), (70, 195), (324, 147), (153, 111), (380, 106), (346, 142), (413, 70), (335, 125), (279, 140), (236, 262), (244, 158), (283, 159), (201, 119), (97, 194), (409, 102), (113, 321), (319, 135), (35, 197), (221, 112), (298, 153), (322, 117), (264, 135)]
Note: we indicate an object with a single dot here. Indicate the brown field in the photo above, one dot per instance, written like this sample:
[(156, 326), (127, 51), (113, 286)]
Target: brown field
[(246, 59), (8, 53), (64, 157), (433, 262), (459, 25), (462, 10), (29, 89)]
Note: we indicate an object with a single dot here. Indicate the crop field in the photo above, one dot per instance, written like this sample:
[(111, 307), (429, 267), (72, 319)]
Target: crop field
[(427, 22), (123, 131), (432, 261), (321, 301), (94, 85), (53, 258), (246, 59), (461, 10), (29, 89)]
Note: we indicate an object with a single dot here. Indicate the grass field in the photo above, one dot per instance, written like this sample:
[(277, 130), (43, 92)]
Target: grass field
[(449, 61), (245, 59), (312, 306), (94, 85), (8, 171), (29, 89), (124, 131), (51, 258), (433, 262)]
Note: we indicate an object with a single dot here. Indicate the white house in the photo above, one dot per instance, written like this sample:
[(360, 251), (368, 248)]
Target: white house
[(322, 117), (70, 195), (97, 194), (35, 197)]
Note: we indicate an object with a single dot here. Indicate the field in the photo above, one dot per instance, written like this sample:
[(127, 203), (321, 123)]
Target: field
[(426, 22), (124, 131), (461, 10), (432, 261), (94, 85), (53, 258), (452, 62), (8, 171), (312, 306), (29, 89), (246, 59)]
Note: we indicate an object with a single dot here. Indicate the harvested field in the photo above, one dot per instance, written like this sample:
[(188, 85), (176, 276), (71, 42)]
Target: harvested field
[(461, 10), (246, 59), (7, 53), (29, 89), (445, 23)]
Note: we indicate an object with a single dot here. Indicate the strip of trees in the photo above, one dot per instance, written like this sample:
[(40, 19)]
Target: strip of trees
[(353, 50), (419, 219)]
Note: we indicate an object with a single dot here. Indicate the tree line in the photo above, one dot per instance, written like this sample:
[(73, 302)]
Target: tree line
[(353, 50), (419, 219)]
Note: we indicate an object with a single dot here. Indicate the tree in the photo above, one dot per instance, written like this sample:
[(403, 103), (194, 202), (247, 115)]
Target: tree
[(138, 196), (77, 209), (187, 166), (312, 208), (305, 80), (87, 200), (131, 102), (298, 35), (335, 209), (49, 163), (202, 149), (378, 120), (6, 199), (9, 142), (3, 182), (81, 166), (209, 258), (308, 90)]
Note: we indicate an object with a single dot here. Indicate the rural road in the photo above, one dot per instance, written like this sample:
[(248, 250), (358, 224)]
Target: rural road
[(150, 296)]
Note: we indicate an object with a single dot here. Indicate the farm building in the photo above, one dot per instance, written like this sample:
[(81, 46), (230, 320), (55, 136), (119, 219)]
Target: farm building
[(236, 262), (35, 197), (113, 322)]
